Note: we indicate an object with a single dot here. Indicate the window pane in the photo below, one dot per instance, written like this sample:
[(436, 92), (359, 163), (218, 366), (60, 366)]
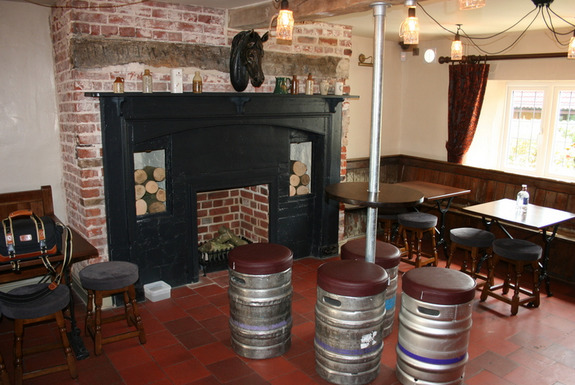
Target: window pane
[(524, 128), (563, 151)]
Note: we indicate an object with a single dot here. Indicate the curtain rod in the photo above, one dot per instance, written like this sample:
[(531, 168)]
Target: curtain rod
[(478, 58)]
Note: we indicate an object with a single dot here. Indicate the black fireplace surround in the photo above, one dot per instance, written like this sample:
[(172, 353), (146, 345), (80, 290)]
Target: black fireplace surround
[(215, 141)]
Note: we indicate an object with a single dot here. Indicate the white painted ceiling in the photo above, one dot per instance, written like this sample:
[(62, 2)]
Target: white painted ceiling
[(496, 16)]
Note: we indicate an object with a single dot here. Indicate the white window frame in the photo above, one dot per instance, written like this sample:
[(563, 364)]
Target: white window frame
[(547, 130)]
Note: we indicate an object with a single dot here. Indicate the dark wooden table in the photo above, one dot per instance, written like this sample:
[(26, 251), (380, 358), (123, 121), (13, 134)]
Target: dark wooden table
[(541, 218), (389, 195), (441, 196)]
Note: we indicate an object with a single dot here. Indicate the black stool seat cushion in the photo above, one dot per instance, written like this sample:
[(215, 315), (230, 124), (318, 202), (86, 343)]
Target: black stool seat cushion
[(50, 303), (110, 275), (417, 220), (352, 278), (260, 258), (386, 254), (517, 249), (471, 237), (439, 286)]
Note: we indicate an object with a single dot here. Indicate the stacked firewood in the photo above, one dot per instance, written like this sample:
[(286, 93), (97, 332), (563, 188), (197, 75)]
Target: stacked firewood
[(299, 179), (150, 197)]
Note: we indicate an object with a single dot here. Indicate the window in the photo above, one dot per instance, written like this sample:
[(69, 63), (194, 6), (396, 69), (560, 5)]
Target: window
[(539, 131)]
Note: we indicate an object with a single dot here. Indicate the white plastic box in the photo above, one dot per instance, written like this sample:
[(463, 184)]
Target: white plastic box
[(157, 291)]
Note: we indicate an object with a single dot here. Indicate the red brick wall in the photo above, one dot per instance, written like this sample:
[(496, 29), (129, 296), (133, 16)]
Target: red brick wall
[(80, 116), (243, 210)]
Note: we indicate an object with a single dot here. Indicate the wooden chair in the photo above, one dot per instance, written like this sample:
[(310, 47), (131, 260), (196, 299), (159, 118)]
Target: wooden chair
[(39, 201)]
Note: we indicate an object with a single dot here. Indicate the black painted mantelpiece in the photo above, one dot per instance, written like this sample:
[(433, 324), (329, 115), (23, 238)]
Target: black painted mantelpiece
[(215, 141)]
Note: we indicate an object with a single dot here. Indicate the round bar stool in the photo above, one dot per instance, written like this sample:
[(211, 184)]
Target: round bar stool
[(386, 256), (434, 325), (46, 307), (103, 280), (418, 224), (260, 292), (470, 240), (349, 314), (516, 254)]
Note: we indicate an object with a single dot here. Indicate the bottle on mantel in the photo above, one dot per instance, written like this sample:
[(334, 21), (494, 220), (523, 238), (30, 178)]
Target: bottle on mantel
[(197, 83), (294, 85), (309, 85), (147, 82)]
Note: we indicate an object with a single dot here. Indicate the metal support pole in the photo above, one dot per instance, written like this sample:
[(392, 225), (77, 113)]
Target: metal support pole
[(376, 108)]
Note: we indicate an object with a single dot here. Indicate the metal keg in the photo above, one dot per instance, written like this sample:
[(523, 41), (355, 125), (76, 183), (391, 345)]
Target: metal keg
[(434, 325), (386, 256), (349, 314), (260, 292)]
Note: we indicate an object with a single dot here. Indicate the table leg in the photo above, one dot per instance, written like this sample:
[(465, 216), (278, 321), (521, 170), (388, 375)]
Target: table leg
[(443, 209), (74, 334), (543, 264)]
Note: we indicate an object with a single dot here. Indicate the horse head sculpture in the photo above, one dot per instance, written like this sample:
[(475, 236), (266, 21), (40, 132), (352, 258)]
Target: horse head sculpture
[(246, 59)]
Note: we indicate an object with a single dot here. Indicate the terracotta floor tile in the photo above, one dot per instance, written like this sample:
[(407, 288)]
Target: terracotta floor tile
[(182, 325), (230, 369), (211, 353)]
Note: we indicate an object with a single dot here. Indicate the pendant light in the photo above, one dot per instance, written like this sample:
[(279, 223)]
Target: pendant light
[(571, 49), (457, 46), (409, 29), (285, 22), (471, 4)]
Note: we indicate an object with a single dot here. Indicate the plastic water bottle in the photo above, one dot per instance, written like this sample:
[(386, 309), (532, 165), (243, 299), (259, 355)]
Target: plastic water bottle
[(523, 198)]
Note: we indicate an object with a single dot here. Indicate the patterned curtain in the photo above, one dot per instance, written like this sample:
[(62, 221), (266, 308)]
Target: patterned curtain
[(467, 84)]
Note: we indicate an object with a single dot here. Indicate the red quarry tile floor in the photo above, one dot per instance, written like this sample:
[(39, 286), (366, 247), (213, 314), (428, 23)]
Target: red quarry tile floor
[(188, 342)]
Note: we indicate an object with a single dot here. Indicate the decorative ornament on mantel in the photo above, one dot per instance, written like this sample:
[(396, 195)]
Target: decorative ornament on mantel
[(246, 59)]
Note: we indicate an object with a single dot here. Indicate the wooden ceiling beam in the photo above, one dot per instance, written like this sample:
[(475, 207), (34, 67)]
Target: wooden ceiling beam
[(259, 16)]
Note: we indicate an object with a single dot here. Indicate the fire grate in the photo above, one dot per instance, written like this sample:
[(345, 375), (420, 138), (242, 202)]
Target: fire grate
[(216, 260)]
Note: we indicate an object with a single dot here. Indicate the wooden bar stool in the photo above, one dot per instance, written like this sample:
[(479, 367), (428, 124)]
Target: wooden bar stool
[(103, 280), (516, 253), (418, 224), (471, 241), (46, 307)]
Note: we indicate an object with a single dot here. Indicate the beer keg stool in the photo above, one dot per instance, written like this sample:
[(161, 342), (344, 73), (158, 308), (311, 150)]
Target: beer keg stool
[(349, 314), (470, 240), (260, 294), (516, 253), (386, 256), (434, 325), (418, 224)]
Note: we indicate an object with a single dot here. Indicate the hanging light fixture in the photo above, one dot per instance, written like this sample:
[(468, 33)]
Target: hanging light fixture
[(285, 22), (409, 29), (471, 4), (571, 49), (457, 46)]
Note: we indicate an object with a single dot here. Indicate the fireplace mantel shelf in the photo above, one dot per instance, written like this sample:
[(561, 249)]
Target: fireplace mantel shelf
[(238, 98)]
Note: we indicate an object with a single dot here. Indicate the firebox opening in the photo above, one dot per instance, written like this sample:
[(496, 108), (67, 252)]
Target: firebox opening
[(240, 212)]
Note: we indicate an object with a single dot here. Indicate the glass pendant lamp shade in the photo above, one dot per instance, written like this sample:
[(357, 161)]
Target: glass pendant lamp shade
[(571, 49), (471, 4), (409, 30), (285, 22), (456, 49)]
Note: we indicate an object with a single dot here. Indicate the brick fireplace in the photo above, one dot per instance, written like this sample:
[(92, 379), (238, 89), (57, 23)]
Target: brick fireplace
[(94, 45)]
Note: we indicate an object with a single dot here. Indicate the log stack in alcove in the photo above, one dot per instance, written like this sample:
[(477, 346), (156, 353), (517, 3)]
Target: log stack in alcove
[(150, 197)]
